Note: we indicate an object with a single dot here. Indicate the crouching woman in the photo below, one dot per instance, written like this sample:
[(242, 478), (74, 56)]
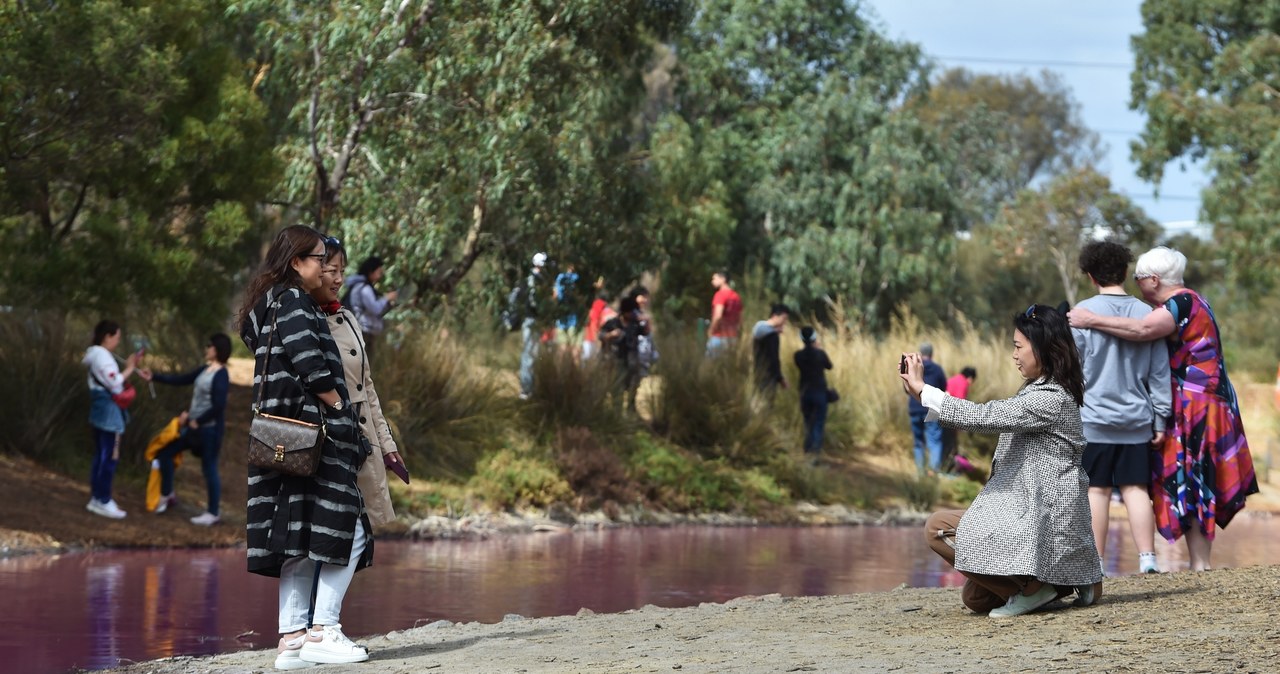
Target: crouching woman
[(1026, 540)]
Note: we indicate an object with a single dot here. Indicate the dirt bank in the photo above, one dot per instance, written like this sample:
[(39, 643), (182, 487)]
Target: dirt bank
[(1217, 621)]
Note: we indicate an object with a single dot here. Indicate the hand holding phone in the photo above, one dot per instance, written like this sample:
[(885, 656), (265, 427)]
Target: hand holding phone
[(902, 364)]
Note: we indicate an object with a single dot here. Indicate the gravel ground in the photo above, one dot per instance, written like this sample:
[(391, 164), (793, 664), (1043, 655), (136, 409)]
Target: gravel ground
[(1215, 621)]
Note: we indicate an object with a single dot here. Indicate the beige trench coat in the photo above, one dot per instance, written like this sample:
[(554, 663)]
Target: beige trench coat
[(373, 475)]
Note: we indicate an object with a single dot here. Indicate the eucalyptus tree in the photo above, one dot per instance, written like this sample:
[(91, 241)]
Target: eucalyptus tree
[(827, 179), (437, 132), (1205, 77)]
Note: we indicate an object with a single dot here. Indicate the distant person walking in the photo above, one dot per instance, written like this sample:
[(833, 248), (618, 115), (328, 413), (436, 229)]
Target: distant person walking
[(530, 301), (813, 363), (367, 302), (622, 334), (726, 315), (564, 288), (1127, 398), (646, 348), (204, 423), (927, 433), (599, 313), (106, 418), (765, 343), (1204, 470)]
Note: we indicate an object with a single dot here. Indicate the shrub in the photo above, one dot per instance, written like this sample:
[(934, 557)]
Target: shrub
[(686, 483), (44, 394), (596, 474), (445, 410), (568, 394), (508, 480), (710, 406)]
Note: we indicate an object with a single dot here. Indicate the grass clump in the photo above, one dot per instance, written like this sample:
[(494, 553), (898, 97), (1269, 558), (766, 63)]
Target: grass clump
[(507, 479), (684, 482), (45, 394)]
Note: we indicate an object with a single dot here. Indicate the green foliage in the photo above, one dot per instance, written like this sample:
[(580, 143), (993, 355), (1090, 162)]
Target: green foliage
[(508, 479), (128, 183), (570, 394), (1052, 223), (1204, 78), (685, 483), (959, 491)]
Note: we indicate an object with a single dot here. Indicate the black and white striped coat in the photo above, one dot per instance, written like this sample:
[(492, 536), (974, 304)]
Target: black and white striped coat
[(1032, 517), (313, 516)]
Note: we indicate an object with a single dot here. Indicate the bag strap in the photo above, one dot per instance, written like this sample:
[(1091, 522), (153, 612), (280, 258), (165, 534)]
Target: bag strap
[(104, 386), (266, 364)]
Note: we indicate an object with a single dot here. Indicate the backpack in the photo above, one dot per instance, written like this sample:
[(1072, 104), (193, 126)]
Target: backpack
[(513, 314)]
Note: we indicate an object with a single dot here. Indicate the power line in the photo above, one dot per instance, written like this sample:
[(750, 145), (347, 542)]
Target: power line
[(1037, 62), (1163, 197)]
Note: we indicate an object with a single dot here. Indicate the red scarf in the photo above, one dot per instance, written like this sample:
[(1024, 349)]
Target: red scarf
[(331, 308)]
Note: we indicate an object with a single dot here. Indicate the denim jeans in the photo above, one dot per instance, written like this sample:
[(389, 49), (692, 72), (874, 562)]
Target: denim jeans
[(299, 575), (528, 354), (813, 406), (203, 439), (926, 434), (718, 345), (103, 471)]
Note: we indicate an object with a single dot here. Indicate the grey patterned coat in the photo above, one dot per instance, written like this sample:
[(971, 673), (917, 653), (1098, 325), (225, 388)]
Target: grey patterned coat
[(313, 516), (1032, 517)]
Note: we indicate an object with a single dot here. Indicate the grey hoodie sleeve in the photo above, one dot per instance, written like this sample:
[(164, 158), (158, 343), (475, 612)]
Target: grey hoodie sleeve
[(1160, 385)]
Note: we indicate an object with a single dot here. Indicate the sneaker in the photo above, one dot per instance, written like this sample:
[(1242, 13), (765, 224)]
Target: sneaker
[(331, 647), (1020, 603), (205, 520), (1088, 595), (108, 509), (1147, 563), (287, 653), (166, 500)]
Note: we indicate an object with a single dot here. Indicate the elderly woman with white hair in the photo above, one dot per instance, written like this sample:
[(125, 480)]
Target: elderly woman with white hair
[(1202, 472)]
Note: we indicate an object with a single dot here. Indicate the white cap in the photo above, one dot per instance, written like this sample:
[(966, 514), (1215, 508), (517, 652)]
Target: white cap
[(539, 259)]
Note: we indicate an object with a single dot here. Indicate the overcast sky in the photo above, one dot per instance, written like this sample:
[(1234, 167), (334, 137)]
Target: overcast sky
[(1009, 36)]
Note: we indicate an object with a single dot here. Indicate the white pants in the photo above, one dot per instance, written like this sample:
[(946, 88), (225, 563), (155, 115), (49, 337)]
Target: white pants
[(296, 578)]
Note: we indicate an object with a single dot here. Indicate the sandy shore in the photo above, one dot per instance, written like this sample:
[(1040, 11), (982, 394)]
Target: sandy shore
[(1216, 621)]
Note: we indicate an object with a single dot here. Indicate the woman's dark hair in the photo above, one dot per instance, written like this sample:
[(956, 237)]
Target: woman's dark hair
[(221, 347), (292, 242), (370, 265), (808, 335), (103, 330), (970, 372), (638, 291), (1050, 336)]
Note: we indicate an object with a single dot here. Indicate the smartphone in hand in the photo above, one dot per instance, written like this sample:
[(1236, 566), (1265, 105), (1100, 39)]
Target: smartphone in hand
[(902, 364)]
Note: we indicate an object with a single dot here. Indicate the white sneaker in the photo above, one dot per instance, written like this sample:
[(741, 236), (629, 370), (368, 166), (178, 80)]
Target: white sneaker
[(1020, 603), (287, 653), (331, 647), (166, 500), (205, 519), (108, 509)]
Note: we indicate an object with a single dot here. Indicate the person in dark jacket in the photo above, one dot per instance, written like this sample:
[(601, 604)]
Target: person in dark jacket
[(927, 433), (813, 364), (204, 424), (765, 341), (310, 532)]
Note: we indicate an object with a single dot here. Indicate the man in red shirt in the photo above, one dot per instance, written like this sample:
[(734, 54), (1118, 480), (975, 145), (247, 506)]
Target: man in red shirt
[(726, 315)]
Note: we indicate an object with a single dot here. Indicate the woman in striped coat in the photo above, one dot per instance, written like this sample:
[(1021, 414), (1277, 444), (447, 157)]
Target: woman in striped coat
[(304, 530)]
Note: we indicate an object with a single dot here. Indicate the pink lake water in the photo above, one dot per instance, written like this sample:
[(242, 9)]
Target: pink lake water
[(100, 609)]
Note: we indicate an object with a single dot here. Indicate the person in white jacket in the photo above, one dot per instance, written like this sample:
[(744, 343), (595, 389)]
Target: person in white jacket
[(105, 417)]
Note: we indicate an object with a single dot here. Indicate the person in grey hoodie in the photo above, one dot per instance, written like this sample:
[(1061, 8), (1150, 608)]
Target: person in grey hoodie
[(1127, 399), (765, 340)]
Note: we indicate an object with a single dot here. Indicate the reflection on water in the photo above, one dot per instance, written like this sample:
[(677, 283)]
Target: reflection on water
[(94, 610)]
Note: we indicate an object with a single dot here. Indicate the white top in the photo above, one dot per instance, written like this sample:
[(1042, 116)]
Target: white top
[(931, 397), (103, 365)]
